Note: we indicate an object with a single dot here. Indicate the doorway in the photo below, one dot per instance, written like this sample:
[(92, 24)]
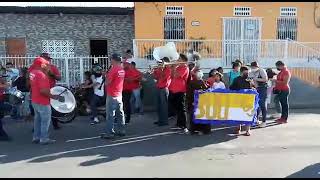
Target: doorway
[(241, 37), (98, 49)]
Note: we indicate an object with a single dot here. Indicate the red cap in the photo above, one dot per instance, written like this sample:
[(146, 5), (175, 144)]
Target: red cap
[(39, 61)]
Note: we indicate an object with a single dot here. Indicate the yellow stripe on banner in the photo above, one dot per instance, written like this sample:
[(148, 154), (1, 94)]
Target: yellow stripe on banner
[(210, 105)]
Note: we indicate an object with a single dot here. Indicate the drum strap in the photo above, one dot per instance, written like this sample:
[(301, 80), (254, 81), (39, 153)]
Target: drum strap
[(103, 80)]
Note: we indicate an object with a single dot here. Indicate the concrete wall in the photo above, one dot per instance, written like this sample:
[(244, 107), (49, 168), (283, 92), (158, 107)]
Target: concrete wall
[(117, 29)]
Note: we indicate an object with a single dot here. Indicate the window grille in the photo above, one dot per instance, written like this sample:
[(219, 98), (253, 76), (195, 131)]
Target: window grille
[(242, 11), (174, 10), (174, 27), (58, 48), (288, 11), (287, 28)]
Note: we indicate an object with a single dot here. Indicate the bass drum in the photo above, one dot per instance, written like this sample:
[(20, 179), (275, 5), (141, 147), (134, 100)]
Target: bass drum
[(64, 112)]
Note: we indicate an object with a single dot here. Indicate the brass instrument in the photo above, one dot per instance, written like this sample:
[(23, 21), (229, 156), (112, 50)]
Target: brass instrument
[(163, 65)]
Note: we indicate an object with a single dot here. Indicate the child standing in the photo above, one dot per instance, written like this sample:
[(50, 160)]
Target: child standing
[(196, 84)]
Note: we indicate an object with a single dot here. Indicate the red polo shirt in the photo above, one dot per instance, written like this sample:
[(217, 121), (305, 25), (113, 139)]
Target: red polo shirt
[(163, 77), (127, 84), (115, 78), (280, 86), (56, 72), (39, 80), (137, 76), (179, 82)]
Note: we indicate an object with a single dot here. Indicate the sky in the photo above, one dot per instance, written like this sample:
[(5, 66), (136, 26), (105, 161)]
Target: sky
[(78, 4)]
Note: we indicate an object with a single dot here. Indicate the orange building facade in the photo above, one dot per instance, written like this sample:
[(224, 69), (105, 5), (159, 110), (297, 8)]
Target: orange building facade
[(209, 20)]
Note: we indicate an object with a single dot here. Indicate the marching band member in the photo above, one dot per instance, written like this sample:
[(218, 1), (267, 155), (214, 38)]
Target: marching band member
[(54, 75), (128, 86), (40, 96), (242, 82), (114, 104), (196, 84), (178, 88), (162, 75), (136, 92), (4, 107)]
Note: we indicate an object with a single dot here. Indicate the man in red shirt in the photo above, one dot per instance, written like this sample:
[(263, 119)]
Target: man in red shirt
[(114, 104), (128, 86), (136, 101), (178, 89), (163, 77), (40, 97), (282, 90), (54, 75)]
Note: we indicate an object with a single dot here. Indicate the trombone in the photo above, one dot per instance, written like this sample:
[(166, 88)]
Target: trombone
[(162, 65)]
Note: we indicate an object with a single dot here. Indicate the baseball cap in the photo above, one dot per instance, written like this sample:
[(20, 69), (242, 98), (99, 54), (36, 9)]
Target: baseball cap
[(116, 57), (39, 61), (254, 64), (46, 56)]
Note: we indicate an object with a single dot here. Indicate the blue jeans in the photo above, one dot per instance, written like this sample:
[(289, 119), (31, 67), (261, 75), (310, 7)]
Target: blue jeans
[(42, 120), (115, 115), (136, 102), (95, 102), (283, 98), (162, 106), (262, 102), (4, 107)]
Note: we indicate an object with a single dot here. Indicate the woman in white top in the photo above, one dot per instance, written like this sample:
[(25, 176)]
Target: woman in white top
[(218, 84)]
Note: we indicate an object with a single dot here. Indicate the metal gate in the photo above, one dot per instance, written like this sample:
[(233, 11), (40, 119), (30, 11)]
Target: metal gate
[(241, 39)]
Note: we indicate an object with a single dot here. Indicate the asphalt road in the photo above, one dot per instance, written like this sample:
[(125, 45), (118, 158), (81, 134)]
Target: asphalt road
[(289, 150)]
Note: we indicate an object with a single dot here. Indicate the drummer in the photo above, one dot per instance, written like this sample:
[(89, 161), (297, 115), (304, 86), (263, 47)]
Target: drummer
[(54, 76), (4, 107), (40, 97)]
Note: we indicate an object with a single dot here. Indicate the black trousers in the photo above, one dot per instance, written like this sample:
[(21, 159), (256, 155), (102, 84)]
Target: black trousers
[(4, 107), (178, 104), (126, 96), (55, 122)]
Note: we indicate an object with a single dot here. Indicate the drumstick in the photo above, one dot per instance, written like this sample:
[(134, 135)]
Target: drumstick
[(63, 92)]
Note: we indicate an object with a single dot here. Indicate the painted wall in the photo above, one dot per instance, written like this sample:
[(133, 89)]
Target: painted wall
[(149, 18)]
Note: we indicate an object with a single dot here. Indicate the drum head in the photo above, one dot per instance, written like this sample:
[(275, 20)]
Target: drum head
[(70, 102)]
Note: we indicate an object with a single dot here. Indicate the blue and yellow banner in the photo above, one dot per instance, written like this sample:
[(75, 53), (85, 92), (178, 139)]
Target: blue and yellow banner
[(223, 106)]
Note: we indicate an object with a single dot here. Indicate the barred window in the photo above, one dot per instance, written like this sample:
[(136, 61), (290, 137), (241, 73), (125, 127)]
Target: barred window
[(287, 28), (58, 48), (242, 11), (174, 10), (288, 11), (174, 27)]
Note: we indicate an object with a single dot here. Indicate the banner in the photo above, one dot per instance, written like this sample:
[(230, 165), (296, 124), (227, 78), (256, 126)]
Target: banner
[(223, 106)]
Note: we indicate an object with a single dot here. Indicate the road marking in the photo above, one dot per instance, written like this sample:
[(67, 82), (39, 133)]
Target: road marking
[(90, 148), (119, 140)]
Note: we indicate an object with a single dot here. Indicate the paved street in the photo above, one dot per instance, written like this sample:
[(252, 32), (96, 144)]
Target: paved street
[(290, 150)]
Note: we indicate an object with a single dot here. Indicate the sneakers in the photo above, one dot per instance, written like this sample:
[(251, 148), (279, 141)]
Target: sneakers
[(105, 136), (185, 130), (281, 121), (262, 125), (95, 121), (50, 141), (35, 141)]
